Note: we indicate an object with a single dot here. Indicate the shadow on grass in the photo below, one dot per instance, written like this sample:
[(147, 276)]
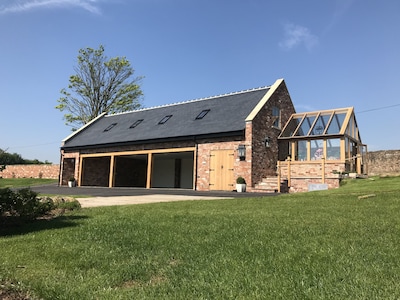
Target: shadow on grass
[(11, 227)]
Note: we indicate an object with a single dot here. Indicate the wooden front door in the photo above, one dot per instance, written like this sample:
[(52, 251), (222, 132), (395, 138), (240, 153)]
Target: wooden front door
[(221, 170)]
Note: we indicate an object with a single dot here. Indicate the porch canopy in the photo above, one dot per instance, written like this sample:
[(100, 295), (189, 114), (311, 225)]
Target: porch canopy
[(330, 135)]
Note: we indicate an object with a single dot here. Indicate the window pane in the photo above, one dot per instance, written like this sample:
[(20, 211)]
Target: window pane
[(291, 127), (320, 125), (336, 123), (305, 126), (302, 150), (317, 149), (276, 113), (333, 149)]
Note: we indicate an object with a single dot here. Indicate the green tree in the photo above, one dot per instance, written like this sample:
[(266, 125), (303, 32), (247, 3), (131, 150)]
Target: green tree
[(101, 84)]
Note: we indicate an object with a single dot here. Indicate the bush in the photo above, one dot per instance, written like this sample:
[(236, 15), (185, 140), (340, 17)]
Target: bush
[(23, 204), (240, 180)]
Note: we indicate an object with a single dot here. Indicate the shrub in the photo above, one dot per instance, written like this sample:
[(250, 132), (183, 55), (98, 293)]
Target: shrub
[(23, 204), (240, 180)]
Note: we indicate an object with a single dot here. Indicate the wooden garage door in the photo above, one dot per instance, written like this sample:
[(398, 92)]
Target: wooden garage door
[(221, 170)]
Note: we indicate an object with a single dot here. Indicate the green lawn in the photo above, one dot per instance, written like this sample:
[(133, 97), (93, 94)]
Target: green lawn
[(319, 245), (23, 182)]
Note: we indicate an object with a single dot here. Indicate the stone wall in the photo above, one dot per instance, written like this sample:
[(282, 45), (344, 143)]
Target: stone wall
[(264, 158), (385, 162), (31, 171)]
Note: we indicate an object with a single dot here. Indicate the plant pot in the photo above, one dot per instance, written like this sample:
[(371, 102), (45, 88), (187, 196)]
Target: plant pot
[(240, 187), (71, 184)]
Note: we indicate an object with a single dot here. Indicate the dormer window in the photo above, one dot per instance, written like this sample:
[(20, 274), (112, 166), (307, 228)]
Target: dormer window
[(110, 127), (136, 123), (202, 114), (165, 119)]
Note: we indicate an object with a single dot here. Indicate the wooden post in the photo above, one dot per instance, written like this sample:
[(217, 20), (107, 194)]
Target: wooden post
[(80, 174), (111, 176), (279, 176), (289, 171), (323, 169), (149, 169)]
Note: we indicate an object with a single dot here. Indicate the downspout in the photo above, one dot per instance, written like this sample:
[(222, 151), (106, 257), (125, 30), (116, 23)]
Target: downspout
[(59, 171)]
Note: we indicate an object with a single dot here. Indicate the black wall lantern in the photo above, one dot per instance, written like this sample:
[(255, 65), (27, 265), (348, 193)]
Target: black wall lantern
[(242, 152), (267, 142)]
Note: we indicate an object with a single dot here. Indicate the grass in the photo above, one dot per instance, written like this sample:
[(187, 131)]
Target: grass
[(319, 245), (23, 182)]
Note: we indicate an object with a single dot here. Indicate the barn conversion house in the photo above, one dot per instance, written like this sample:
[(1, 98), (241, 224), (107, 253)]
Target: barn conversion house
[(202, 144)]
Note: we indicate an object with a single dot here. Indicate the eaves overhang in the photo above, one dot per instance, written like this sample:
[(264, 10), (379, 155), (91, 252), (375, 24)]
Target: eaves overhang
[(195, 138)]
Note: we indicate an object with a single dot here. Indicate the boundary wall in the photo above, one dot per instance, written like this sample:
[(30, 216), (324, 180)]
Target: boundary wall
[(31, 171)]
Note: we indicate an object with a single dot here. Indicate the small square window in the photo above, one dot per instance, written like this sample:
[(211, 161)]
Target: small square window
[(165, 119), (110, 127), (202, 114), (136, 123)]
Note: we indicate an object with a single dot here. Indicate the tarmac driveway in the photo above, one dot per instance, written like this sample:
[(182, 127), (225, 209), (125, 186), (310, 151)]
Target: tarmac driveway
[(101, 196)]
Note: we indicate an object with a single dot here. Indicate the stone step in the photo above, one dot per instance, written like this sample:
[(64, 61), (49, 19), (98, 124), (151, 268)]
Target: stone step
[(270, 185)]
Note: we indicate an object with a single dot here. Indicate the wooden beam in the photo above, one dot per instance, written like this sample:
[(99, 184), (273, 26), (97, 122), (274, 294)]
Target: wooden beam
[(167, 150)]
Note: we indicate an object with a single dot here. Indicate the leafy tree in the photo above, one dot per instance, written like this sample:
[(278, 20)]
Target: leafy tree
[(16, 159), (101, 84)]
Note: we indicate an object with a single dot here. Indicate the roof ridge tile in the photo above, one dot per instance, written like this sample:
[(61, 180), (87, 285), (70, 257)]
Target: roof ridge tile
[(191, 101)]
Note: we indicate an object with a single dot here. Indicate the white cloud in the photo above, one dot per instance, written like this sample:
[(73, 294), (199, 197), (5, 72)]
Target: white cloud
[(296, 35), (28, 5)]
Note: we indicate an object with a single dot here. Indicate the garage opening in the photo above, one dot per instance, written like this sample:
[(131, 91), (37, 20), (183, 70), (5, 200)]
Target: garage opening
[(95, 171), (130, 171), (173, 170), (142, 170)]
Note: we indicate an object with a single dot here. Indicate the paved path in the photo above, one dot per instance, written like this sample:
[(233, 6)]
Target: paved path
[(126, 200)]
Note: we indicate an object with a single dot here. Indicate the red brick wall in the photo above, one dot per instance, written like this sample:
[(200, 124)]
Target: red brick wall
[(241, 168), (31, 171), (304, 173)]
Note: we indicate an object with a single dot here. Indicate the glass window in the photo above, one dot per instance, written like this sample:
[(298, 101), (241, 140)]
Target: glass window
[(202, 114), (336, 123), (320, 125), (136, 123), (305, 126), (110, 127), (291, 127), (317, 149), (302, 150), (333, 149), (165, 119), (276, 113)]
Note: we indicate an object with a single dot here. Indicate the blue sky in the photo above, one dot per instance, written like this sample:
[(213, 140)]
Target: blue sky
[(332, 54)]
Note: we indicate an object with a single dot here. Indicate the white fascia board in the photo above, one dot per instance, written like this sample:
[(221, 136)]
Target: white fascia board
[(264, 100), (82, 128)]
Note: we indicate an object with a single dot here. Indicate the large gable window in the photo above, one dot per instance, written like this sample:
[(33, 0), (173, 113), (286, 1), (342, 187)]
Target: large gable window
[(276, 114), (165, 119)]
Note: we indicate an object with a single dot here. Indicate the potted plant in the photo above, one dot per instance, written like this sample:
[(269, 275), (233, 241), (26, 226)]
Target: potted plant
[(71, 181), (240, 184)]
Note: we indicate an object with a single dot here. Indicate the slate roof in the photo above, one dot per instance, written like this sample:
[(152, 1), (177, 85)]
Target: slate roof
[(227, 116)]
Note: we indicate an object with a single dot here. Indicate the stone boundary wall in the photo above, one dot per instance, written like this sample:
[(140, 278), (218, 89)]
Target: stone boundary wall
[(31, 171), (384, 162)]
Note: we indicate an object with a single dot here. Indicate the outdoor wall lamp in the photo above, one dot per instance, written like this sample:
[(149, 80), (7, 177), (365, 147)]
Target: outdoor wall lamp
[(241, 152), (267, 142)]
